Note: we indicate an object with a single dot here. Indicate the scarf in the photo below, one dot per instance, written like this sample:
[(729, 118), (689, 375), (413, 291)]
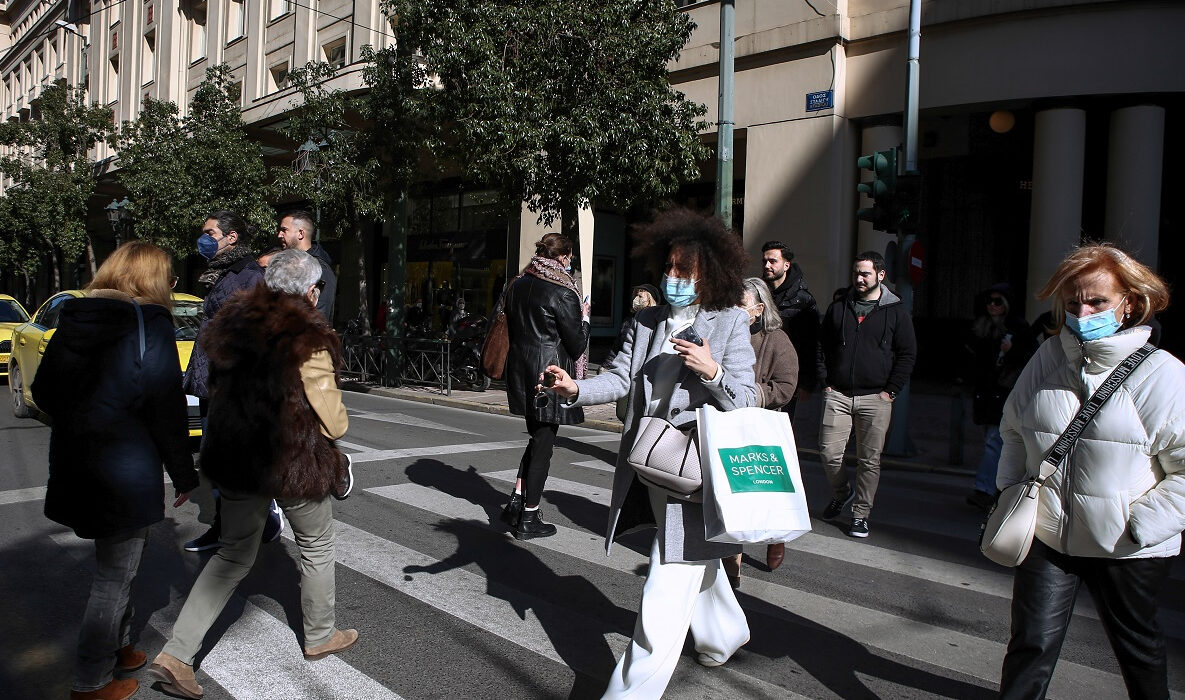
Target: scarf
[(552, 271), (216, 269)]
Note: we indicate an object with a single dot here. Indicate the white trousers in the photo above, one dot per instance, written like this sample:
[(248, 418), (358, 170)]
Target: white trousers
[(676, 597)]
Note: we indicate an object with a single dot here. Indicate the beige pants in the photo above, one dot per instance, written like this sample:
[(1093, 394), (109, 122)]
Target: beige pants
[(242, 525), (869, 416)]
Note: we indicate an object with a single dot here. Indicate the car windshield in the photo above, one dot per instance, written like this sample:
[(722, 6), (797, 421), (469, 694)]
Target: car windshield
[(10, 312), (186, 315)]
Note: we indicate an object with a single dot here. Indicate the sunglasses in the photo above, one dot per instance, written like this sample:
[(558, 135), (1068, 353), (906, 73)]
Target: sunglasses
[(320, 285), (173, 282), (996, 301)]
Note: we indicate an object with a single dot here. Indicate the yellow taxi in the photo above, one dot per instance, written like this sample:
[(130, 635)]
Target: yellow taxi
[(30, 339), (12, 314)]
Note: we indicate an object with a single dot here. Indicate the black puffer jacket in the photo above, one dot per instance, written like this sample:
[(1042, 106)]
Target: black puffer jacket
[(116, 418), (545, 327), (800, 319)]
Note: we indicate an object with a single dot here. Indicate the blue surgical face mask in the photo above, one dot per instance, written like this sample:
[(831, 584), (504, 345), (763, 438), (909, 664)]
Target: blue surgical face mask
[(678, 290), (1094, 326), (207, 247)]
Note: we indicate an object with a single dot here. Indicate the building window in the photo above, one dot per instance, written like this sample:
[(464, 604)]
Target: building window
[(236, 20), (148, 59), (115, 40), (335, 52), (236, 93), (113, 6), (279, 74), (113, 79), (148, 14), (279, 8), (197, 13)]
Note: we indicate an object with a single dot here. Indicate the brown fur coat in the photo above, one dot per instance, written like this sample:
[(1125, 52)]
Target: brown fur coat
[(262, 435)]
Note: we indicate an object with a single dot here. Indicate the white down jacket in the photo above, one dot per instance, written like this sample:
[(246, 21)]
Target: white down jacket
[(1121, 491)]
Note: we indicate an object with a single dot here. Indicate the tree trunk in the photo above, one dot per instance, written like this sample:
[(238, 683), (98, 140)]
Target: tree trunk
[(28, 290), (90, 254), (53, 260), (363, 307)]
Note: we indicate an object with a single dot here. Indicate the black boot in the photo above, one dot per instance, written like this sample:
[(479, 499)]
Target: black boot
[(512, 511), (531, 526)]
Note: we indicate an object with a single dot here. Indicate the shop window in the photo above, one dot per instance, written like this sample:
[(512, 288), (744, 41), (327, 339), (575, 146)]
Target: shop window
[(335, 52)]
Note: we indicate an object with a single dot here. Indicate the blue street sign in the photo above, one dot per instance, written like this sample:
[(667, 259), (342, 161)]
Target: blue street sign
[(816, 101)]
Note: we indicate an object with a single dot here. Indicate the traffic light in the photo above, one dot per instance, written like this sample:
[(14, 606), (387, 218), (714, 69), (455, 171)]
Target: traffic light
[(907, 201), (881, 189)]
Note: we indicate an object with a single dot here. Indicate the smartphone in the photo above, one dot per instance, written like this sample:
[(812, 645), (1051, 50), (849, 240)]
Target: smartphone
[(690, 336)]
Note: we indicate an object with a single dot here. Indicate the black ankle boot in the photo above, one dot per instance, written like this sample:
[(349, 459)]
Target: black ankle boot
[(512, 511), (531, 526)]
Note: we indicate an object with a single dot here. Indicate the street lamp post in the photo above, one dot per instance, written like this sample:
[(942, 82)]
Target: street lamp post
[(303, 153), (119, 215)]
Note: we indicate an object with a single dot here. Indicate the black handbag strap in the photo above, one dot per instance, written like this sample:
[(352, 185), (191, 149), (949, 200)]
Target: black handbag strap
[(1057, 453)]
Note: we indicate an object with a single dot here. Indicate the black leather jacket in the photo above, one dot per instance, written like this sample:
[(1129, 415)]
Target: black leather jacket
[(800, 320), (545, 327)]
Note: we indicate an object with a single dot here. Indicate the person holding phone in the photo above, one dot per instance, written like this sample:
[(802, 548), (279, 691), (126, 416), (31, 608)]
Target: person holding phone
[(547, 325), (690, 352)]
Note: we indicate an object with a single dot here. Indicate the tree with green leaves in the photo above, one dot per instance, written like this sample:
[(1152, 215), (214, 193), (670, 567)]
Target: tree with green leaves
[(21, 250), (53, 174), (562, 103), (357, 152), (176, 170)]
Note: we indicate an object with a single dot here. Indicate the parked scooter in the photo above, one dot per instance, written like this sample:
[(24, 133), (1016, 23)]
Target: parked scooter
[(467, 335)]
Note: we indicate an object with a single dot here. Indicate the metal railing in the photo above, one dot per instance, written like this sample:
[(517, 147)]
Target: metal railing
[(425, 360)]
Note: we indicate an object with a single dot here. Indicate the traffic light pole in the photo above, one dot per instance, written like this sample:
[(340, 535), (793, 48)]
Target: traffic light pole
[(724, 118), (898, 442)]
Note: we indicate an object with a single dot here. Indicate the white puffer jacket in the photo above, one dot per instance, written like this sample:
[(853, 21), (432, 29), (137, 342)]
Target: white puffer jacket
[(1121, 491)]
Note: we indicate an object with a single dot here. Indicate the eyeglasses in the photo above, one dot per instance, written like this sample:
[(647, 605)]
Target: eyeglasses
[(320, 285), (996, 301)]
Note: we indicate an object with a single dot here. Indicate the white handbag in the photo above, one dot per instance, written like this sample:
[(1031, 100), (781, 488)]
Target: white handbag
[(667, 458), (1007, 535)]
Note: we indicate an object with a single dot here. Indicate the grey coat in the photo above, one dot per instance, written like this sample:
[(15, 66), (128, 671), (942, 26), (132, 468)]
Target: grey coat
[(626, 374)]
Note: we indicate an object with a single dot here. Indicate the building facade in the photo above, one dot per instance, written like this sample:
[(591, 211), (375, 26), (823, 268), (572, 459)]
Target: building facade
[(1042, 122)]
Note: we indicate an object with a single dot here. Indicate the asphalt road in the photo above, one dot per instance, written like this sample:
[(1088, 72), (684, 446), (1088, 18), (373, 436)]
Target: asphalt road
[(450, 606)]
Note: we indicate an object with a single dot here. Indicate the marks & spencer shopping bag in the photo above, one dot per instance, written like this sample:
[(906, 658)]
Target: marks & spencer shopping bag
[(753, 490)]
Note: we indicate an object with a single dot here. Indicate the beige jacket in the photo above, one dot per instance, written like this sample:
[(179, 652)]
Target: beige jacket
[(320, 388)]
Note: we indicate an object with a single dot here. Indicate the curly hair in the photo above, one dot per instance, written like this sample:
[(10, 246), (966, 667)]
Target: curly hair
[(719, 256), (1147, 292)]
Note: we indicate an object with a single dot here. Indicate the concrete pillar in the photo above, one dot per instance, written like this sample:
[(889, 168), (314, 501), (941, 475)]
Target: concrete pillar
[(1055, 223), (873, 139), (1134, 165)]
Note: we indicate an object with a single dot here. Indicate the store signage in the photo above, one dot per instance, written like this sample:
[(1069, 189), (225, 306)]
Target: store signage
[(816, 101)]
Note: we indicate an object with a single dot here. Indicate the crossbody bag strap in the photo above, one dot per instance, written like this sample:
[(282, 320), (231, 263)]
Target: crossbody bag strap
[(1057, 453), (140, 322), (500, 307)]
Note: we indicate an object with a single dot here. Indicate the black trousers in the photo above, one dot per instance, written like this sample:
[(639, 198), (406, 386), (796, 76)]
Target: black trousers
[(536, 461), (1124, 591)]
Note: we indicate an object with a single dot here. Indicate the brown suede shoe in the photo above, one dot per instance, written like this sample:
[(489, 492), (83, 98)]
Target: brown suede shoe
[(175, 676), (774, 554), (118, 689), (340, 640), (732, 569), (130, 658)]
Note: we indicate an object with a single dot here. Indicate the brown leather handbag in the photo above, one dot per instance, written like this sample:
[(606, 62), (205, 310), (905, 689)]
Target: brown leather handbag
[(496, 346)]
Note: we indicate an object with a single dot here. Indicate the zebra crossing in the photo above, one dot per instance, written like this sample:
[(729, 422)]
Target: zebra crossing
[(424, 566)]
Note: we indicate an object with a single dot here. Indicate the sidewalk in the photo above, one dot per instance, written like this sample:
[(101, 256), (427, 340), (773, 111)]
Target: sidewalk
[(933, 409)]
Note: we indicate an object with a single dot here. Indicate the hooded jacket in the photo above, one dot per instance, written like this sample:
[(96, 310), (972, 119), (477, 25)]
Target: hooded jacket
[(274, 401), (1120, 492), (870, 356), (116, 416)]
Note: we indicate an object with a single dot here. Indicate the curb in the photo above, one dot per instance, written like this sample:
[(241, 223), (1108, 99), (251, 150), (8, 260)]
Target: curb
[(615, 427)]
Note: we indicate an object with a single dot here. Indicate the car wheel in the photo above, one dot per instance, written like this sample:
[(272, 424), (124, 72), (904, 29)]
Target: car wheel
[(20, 409)]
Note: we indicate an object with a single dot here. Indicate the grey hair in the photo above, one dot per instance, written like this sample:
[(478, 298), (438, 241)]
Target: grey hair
[(770, 319), (292, 272)]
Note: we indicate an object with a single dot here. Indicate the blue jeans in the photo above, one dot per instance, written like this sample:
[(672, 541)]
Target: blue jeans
[(985, 478), (107, 622)]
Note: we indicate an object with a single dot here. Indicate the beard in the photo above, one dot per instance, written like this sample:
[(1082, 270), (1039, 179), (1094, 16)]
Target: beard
[(867, 291)]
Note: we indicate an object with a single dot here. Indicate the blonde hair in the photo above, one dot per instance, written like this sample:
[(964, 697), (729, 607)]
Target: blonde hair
[(140, 270), (1147, 292), (771, 320)]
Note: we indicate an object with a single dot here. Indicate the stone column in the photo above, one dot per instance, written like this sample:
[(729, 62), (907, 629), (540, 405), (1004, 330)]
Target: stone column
[(1134, 164), (1055, 223)]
